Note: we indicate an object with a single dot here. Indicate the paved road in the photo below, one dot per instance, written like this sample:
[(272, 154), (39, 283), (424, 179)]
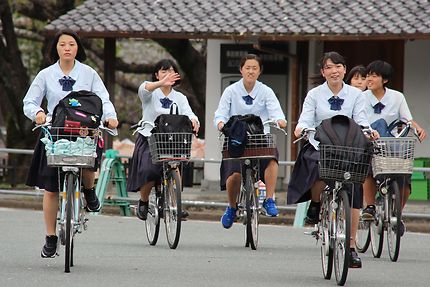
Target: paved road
[(114, 252)]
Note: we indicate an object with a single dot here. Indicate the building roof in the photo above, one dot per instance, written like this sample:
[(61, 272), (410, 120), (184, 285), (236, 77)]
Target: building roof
[(261, 19)]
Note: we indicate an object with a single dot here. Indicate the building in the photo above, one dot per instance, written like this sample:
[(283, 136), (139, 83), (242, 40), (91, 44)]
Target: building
[(291, 34)]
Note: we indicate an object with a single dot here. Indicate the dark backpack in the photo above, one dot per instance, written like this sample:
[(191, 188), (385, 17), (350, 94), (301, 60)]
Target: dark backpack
[(172, 123), (343, 131), (254, 125), (79, 109)]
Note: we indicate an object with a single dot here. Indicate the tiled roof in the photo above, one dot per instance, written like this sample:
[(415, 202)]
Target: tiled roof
[(263, 19)]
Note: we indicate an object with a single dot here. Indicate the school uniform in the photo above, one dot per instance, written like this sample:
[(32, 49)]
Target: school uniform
[(154, 103), (235, 100), (321, 104), (52, 84), (390, 109)]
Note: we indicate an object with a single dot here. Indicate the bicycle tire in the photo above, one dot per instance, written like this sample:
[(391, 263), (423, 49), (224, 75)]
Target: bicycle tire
[(342, 235), (172, 208), (70, 191), (251, 206), (152, 222), (362, 239), (394, 220), (324, 230), (377, 228)]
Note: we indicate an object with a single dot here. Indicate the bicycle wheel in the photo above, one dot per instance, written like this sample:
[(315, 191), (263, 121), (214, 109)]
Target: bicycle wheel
[(377, 228), (342, 235), (324, 230), (70, 188), (251, 206), (393, 222), (152, 222), (172, 208), (362, 239)]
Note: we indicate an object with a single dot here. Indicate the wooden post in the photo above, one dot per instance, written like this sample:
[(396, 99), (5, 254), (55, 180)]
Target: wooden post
[(109, 76)]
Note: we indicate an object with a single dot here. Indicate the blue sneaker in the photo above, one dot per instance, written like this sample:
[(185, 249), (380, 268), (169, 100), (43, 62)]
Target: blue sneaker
[(270, 206), (228, 218)]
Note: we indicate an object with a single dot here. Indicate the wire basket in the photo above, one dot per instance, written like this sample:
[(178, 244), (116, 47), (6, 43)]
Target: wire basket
[(343, 163), (170, 146), (393, 156), (257, 146), (75, 147)]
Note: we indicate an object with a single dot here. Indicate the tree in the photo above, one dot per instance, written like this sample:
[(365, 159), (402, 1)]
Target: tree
[(26, 19)]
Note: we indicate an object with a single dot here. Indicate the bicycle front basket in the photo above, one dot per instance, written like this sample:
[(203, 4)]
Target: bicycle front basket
[(257, 146), (394, 156), (170, 146), (344, 163), (76, 147)]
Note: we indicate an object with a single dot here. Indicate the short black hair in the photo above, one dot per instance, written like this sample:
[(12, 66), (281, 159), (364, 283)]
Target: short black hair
[(251, 57), (80, 56), (165, 64), (335, 57), (380, 68), (360, 70)]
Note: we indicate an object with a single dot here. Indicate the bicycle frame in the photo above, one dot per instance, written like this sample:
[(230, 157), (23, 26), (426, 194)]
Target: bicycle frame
[(248, 205)]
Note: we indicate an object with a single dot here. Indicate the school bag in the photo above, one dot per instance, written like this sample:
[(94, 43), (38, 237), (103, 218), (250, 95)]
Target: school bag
[(237, 129), (172, 134), (172, 122), (79, 109), (341, 130)]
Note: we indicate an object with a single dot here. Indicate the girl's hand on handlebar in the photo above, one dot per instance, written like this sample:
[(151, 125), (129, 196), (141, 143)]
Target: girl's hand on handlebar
[(220, 126), (298, 132), (111, 123), (196, 125), (40, 118), (282, 124), (421, 134)]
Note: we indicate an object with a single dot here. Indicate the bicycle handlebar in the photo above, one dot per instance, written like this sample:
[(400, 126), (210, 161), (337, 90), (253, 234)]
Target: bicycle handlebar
[(304, 134)]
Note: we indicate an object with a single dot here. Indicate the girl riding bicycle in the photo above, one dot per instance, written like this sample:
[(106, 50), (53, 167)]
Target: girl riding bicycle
[(157, 97), (385, 106), (333, 97), (248, 96), (54, 83)]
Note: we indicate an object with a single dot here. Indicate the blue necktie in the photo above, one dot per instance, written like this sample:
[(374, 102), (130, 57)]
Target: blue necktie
[(67, 83), (248, 99), (165, 103), (335, 103), (378, 107)]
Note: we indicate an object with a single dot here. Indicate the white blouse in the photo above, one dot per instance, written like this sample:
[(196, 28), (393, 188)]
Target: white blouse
[(46, 84), (265, 104), (152, 107), (396, 107), (316, 107)]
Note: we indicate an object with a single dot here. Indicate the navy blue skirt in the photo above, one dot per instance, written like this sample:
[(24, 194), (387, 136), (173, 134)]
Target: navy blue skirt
[(228, 167), (141, 169), (45, 177), (304, 175)]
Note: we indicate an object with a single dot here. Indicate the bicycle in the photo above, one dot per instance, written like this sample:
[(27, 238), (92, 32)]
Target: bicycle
[(392, 160), (258, 146), (171, 150), (71, 149), (340, 166)]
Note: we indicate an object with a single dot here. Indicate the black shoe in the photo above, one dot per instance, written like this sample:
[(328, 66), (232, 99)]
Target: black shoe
[(93, 203), (313, 213), (184, 215), (49, 250), (368, 214), (354, 260), (142, 209)]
